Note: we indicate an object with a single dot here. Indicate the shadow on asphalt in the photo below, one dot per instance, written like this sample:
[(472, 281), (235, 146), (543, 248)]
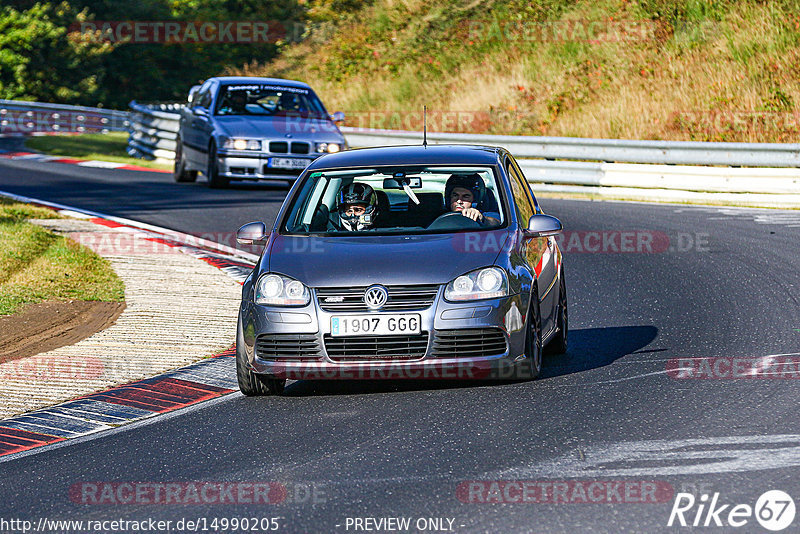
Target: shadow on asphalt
[(589, 348)]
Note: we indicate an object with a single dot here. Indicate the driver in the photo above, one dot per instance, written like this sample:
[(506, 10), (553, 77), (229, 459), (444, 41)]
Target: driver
[(236, 103), (464, 192), (357, 205)]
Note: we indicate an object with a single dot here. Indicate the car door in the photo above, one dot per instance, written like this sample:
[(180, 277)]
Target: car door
[(539, 252), (191, 123)]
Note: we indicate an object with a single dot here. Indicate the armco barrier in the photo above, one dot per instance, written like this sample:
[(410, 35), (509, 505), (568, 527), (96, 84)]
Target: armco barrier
[(763, 174), (753, 173), (19, 117), (154, 128)]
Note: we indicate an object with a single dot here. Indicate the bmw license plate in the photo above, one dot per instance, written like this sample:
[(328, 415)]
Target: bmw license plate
[(288, 163), (376, 325)]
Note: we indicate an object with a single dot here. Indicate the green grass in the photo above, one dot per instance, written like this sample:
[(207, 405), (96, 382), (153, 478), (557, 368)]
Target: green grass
[(37, 265), (103, 147)]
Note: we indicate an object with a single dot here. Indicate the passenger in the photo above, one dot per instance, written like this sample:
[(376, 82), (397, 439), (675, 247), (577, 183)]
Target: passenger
[(464, 193), (357, 205)]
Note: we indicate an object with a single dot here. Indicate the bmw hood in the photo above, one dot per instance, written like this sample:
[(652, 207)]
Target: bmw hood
[(364, 260), (278, 127)]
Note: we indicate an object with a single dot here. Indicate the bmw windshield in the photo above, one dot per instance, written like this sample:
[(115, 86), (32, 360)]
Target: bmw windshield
[(269, 100), (408, 199)]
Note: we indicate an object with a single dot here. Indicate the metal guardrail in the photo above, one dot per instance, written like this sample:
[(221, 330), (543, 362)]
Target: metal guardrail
[(605, 150), (24, 118), (154, 128), (646, 168)]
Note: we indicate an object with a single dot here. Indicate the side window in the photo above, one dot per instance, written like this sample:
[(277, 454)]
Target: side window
[(528, 189), (521, 194)]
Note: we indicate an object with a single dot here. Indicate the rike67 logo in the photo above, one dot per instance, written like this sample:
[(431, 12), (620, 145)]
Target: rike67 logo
[(774, 510)]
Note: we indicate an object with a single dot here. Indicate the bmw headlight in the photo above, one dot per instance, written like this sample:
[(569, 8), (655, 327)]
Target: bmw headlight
[(330, 148), (279, 290), (487, 283), (237, 143)]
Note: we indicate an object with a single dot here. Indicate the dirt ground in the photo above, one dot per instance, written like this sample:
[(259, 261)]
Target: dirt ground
[(49, 325)]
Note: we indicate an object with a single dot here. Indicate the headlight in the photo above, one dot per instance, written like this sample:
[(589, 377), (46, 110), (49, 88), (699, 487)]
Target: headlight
[(330, 148), (235, 143), (278, 290), (487, 283)]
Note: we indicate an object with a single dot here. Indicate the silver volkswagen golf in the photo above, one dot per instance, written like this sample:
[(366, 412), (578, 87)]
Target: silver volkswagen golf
[(403, 262), (245, 128)]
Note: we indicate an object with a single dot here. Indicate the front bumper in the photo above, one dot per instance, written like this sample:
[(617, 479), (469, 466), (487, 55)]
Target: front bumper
[(498, 318), (239, 165)]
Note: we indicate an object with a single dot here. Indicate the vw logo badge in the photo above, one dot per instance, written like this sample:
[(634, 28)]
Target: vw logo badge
[(375, 297)]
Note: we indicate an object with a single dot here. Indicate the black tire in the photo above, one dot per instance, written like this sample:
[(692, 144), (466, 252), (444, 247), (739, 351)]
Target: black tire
[(250, 383), (558, 345), (179, 172), (533, 338), (215, 181)]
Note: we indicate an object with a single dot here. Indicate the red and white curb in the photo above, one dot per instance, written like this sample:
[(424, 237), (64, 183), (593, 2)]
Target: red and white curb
[(35, 156), (119, 405)]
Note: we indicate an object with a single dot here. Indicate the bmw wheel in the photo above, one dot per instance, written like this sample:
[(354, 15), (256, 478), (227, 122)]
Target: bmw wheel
[(214, 179), (179, 172)]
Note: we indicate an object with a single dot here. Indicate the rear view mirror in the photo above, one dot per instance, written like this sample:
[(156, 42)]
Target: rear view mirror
[(254, 233), (397, 183), (542, 225)]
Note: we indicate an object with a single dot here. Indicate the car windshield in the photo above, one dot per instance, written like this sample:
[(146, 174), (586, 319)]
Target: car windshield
[(411, 199), (266, 99)]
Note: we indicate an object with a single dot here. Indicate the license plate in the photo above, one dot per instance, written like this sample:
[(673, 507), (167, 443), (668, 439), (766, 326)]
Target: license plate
[(288, 163), (376, 325)]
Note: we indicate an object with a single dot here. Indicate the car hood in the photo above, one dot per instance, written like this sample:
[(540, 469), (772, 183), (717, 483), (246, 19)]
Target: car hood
[(363, 260), (278, 127)]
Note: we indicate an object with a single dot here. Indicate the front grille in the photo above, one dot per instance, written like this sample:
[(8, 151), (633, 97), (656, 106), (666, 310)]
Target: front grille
[(370, 348), (279, 147), (288, 347), (466, 343), (401, 298), (300, 148)]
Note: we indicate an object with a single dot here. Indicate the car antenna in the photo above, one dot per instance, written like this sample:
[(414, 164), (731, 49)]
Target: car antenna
[(425, 126)]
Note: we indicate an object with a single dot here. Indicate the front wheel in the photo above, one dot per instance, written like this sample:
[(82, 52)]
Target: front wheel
[(179, 172), (558, 345), (253, 384), (533, 338), (214, 179)]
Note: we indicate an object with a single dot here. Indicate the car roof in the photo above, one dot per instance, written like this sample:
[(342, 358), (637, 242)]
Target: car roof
[(410, 155), (253, 79)]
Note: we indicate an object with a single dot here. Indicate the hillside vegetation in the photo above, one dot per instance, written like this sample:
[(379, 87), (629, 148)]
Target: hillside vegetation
[(717, 70)]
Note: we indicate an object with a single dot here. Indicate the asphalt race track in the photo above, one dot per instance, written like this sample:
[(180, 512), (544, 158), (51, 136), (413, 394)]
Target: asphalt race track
[(725, 285)]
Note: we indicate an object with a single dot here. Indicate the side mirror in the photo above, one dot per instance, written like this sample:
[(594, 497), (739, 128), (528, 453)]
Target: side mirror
[(338, 116), (200, 112), (254, 233), (541, 225), (192, 93)]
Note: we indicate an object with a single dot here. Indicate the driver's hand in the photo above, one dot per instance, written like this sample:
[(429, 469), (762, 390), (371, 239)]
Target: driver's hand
[(473, 213)]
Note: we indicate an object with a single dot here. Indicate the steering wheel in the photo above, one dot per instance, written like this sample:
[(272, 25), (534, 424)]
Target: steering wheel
[(454, 221)]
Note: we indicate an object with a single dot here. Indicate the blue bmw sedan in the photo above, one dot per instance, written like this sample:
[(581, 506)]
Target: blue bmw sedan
[(247, 128), (403, 262)]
